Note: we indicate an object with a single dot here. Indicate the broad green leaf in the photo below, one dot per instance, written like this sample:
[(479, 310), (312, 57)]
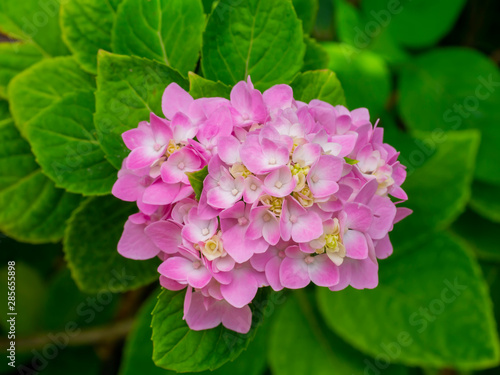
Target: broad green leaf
[(34, 21), (480, 234), (438, 95), (128, 90), (364, 75), (168, 31), (4, 110), (316, 57), (196, 180), (438, 183), (208, 5), (300, 344), (200, 87), (90, 245), (43, 84), (359, 30), (492, 275), (306, 11), (65, 303), (402, 18), (86, 27), (14, 58), (485, 200), (258, 38), (180, 349), (64, 141), (434, 295), (139, 350), (33, 210), (319, 84), (30, 292)]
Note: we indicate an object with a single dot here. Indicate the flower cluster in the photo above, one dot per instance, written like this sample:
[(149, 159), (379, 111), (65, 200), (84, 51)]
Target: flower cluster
[(294, 193)]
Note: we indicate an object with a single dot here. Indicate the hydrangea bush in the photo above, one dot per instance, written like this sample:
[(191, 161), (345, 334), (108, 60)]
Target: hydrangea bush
[(237, 188), (294, 193)]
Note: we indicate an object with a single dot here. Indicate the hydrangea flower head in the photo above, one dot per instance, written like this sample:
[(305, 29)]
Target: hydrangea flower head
[(294, 194)]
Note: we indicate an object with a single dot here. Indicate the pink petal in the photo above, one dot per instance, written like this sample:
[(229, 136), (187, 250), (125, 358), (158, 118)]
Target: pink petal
[(160, 193), (294, 273), (323, 272), (135, 244), (242, 290), (166, 235), (238, 320), (355, 244), (175, 99)]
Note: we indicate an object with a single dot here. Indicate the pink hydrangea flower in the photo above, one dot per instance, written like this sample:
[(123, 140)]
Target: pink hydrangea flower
[(295, 193)]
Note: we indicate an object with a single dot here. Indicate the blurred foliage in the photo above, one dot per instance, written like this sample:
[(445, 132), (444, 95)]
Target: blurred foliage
[(428, 69)]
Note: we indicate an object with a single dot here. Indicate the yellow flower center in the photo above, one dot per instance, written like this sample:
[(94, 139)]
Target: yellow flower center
[(274, 203), (172, 147)]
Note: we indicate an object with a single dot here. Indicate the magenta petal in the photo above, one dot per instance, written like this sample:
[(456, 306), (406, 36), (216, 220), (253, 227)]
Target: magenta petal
[(176, 268), (161, 193), (175, 99), (323, 272), (383, 248), (236, 319), (198, 318), (272, 270), (166, 235), (242, 290), (359, 217), (364, 273), (307, 228), (128, 188), (170, 284), (294, 273), (135, 244), (143, 157), (355, 244)]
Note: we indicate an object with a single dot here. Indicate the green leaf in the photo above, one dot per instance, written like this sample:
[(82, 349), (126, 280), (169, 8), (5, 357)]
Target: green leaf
[(351, 161), (257, 38), (42, 85), (480, 235), (196, 180), (439, 189), (180, 349), (65, 303), (364, 75), (30, 295), (138, 352), (128, 90), (86, 27), (200, 87), (90, 245), (33, 210), (403, 18), (455, 97), (424, 296), (14, 58), (485, 200), (300, 344), (4, 110), (64, 141), (34, 21), (319, 84), (316, 57), (168, 31), (359, 30), (306, 11)]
